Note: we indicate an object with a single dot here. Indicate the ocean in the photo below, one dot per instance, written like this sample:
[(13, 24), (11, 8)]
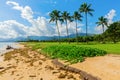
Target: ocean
[(3, 46)]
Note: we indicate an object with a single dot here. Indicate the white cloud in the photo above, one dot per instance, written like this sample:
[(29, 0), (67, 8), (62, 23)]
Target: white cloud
[(26, 12), (71, 28), (99, 29), (14, 3), (109, 16), (39, 26), (12, 29), (47, 14)]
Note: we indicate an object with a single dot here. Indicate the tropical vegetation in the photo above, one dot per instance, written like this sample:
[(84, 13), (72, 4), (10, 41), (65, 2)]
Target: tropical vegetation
[(66, 16), (113, 32), (102, 21), (55, 17), (76, 53), (72, 53), (77, 17), (86, 9), (110, 32)]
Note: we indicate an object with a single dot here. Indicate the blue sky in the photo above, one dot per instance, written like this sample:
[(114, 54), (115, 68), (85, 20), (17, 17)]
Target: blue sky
[(21, 18)]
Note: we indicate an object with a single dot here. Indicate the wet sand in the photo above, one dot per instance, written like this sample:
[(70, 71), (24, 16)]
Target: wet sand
[(13, 45)]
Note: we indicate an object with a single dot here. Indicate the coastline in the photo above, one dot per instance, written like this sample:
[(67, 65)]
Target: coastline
[(26, 64), (3, 50), (13, 45)]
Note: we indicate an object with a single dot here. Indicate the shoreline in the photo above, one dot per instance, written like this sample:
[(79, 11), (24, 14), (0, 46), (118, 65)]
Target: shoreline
[(4, 50), (31, 66), (26, 64)]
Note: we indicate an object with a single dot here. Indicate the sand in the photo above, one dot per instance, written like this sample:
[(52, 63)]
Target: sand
[(32, 66), (26, 64), (105, 67)]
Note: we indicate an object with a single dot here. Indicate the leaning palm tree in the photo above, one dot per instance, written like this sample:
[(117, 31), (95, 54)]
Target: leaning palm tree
[(102, 21), (77, 16), (66, 16), (86, 8), (55, 16)]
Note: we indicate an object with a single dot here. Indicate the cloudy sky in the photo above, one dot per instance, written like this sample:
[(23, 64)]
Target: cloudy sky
[(21, 18)]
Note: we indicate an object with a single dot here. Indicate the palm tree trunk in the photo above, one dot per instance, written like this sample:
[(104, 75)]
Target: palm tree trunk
[(114, 39), (76, 33), (86, 28), (67, 31), (58, 32), (103, 27), (103, 35)]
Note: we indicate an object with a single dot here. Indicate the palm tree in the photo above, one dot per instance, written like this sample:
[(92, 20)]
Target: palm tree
[(55, 17), (77, 17), (86, 9), (66, 16), (102, 21)]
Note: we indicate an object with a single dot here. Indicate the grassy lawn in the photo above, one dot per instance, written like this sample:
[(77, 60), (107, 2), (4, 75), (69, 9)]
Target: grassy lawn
[(109, 47)]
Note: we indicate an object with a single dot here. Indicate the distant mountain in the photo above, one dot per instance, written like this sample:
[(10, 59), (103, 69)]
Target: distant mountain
[(54, 37), (13, 39), (79, 34), (41, 37)]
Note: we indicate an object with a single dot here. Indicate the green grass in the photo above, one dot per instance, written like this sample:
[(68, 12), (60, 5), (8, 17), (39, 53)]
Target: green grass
[(72, 53), (109, 47), (75, 52)]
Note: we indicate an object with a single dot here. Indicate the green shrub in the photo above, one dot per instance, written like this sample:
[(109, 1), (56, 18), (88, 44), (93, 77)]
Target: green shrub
[(72, 54)]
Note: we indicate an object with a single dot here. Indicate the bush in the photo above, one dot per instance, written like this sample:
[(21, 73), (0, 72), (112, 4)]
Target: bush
[(72, 54)]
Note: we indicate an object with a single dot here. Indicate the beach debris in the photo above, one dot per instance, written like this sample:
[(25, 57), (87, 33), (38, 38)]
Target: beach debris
[(37, 63), (9, 47), (12, 72), (84, 75), (41, 78), (32, 75), (49, 67), (1, 67), (55, 71), (62, 75), (70, 76)]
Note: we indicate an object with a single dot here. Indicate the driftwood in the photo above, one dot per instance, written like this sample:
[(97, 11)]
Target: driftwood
[(9, 47), (83, 74)]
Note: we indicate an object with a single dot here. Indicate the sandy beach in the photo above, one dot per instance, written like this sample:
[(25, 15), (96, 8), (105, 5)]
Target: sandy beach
[(105, 67), (26, 64)]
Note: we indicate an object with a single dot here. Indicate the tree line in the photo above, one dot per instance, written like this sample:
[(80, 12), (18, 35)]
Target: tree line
[(112, 33), (64, 17), (85, 9)]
